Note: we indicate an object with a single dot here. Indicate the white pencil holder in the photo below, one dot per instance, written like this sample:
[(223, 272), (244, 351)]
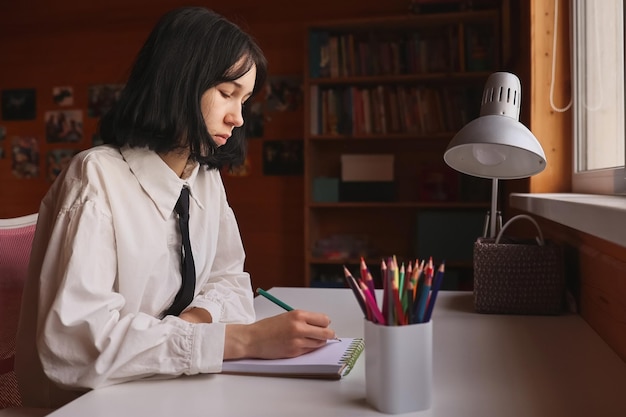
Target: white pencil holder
[(398, 367)]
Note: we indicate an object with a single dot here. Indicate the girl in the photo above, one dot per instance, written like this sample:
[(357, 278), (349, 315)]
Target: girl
[(101, 305)]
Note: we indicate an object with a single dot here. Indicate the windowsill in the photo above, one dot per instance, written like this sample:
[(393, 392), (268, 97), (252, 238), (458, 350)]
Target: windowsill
[(602, 216)]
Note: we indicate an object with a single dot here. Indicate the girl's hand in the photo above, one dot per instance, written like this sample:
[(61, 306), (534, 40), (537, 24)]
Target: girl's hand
[(283, 336)]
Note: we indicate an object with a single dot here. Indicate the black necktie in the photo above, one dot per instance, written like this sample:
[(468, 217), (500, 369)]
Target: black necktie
[(185, 294)]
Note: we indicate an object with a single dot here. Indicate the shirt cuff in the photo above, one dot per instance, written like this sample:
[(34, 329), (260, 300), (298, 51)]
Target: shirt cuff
[(207, 353)]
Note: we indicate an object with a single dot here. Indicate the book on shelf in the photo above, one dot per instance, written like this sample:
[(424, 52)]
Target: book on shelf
[(333, 49), (332, 361), (332, 112), (412, 51), (358, 112), (380, 112), (385, 109), (438, 182), (319, 55), (314, 110), (315, 48), (462, 106), (367, 111), (480, 51), (408, 82), (440, 48)]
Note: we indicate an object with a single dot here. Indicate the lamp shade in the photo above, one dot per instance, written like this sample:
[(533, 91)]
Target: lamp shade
[(496, 144)]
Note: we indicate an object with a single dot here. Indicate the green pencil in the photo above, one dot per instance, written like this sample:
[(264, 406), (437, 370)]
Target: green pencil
[(273, 299)]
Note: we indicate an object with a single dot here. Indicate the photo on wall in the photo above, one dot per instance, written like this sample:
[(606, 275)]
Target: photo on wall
[(254, 123), (19, 104), (63, 96), (242, 170), (280, 93), (3, 134), (102, 97), (57, 160), (64, 126), (25, 154), (284, 93), (283, 157)]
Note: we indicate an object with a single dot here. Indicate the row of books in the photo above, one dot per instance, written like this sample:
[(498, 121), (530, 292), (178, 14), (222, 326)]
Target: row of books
[(386, 109), (395, 53)]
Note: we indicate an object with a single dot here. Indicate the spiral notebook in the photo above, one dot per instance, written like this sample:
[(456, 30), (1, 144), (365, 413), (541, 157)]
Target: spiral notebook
[(332, 361)]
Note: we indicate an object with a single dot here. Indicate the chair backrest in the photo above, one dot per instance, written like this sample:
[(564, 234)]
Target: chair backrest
[(16, 237)]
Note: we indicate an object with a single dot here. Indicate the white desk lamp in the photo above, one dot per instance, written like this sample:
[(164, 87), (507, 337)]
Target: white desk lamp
[(496, 145)]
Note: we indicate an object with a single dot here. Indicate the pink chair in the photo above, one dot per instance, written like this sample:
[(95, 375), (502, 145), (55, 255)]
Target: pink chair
[(16, 236)]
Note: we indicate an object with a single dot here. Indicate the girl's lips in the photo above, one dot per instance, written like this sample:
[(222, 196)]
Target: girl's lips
[(221, 139)]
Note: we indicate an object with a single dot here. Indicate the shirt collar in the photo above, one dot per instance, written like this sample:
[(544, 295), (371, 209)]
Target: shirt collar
[(157, 179)]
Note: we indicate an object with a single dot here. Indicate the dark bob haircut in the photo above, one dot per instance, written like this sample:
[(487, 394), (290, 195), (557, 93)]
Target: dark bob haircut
[(189, 51)]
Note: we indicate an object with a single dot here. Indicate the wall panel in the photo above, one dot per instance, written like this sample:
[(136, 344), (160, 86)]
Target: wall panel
[(71, 42)]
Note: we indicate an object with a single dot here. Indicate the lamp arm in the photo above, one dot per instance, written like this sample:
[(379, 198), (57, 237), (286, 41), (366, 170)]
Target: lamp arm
[(493, 215)]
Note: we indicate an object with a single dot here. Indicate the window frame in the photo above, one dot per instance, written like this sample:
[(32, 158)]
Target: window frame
[(610, 181)]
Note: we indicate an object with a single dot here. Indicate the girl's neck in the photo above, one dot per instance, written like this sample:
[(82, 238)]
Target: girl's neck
[(178, 162)]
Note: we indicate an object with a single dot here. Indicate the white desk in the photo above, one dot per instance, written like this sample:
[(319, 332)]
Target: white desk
[(484, 366)]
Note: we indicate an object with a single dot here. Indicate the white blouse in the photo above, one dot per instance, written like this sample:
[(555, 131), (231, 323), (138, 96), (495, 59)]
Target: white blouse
[(105, 265)]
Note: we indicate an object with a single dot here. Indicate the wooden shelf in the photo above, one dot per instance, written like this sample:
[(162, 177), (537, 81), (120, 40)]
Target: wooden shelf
[(443, 137), (401, 205), (453, 77), (401, 86), (408, 21)]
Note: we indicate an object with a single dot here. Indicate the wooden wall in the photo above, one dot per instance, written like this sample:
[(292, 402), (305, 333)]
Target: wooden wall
[(596, 268), (79, 43), (70, 42)]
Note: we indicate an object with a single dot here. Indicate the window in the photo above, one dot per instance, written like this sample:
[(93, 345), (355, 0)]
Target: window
[(598, 62), (598, 114)]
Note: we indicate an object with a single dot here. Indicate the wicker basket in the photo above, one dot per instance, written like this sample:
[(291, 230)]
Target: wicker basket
[(518, 277)]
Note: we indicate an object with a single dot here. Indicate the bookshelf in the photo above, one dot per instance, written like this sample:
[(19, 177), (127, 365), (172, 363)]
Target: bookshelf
[(391, 92)]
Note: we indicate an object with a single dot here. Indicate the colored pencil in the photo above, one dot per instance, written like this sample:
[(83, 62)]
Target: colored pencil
[(369, 283), (397, 303), (384, 276), (273, 299), (378, 316), (433, 292), (396, 270), (417, 290), (409, 303), (401, 284), (363, 269), (415, 276), (409, 293), (352, 283), (423, 295)]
